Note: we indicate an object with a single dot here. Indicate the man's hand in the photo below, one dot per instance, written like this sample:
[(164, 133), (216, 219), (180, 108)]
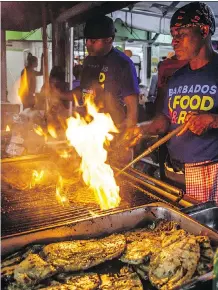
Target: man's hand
[(197, 123), (132, 136)]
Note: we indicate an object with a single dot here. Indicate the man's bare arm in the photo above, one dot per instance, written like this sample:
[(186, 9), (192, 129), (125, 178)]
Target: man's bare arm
[(131, 102), (159, 125), (72, 95), (40, 73), (198, 123)]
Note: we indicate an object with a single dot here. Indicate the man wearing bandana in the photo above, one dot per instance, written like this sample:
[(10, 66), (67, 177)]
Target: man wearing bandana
[(192, 99)]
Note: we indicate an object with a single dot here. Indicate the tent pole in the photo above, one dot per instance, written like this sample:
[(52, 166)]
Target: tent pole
[(45, 52)]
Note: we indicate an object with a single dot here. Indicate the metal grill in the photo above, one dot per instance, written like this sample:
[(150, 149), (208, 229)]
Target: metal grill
[(36, 209)]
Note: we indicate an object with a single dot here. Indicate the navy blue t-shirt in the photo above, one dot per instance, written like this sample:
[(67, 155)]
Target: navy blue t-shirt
[(114, 72), (191, 91)]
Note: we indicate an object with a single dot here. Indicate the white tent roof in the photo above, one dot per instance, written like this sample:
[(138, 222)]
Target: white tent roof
[(155, 16)]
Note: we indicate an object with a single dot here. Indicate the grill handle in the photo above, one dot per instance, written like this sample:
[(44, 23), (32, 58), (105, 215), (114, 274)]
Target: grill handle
[(199, 207)]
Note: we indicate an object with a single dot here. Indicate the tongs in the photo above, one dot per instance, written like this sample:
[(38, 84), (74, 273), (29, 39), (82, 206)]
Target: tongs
[(153, 147)]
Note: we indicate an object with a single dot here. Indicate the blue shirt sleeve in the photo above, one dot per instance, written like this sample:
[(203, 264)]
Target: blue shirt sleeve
[(129, 81)]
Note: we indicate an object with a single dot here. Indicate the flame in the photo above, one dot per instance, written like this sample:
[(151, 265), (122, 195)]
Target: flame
[(59, 189), (76, 103), (23, 84), (38, 130), (52, 131), (89, 138), (65, 154), (7, 129), (36, 178)]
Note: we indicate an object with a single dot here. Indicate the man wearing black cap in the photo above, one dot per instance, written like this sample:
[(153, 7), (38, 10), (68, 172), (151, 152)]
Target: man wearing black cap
[(108, 73), (192, 99), (110, 76)]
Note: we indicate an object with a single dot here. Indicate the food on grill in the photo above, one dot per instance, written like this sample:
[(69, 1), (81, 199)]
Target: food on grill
[(168, 238), (141, 271), (206, 258), (161, 253), (9, 264), (32, 270), (139, 251), (143, 243), (62, 287), (175, 263), (83, 281), (20, 255), (153, 230), (127, 279), (84, 254)]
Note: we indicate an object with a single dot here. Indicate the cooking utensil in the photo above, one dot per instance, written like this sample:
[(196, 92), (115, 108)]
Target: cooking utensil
[(153, 147)]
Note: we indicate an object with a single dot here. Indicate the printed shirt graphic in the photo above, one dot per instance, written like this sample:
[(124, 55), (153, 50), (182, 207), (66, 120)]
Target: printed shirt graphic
[(115, 73), (193, 91)]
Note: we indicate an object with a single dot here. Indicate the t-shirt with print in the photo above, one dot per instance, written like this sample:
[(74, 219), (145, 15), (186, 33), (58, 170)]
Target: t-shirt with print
[(114, 72), (193, 91)]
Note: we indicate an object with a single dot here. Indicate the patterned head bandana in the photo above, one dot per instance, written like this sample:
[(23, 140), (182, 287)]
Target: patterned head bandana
[(194, 14)]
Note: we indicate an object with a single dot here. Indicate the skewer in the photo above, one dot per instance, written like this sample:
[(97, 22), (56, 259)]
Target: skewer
[(153, 147)]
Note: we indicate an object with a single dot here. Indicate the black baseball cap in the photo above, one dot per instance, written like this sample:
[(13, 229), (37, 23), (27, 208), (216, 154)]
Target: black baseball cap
[(194, 14), (99, 27)]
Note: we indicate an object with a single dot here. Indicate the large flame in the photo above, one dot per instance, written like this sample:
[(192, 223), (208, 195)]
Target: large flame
[(38, 130), (64, 154), (36, 178), (59, 191), (89, 138), (52, 131), (23, 84), (7, 129)]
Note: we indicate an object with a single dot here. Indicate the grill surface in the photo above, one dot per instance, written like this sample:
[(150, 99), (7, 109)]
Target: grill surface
[(36, 209)]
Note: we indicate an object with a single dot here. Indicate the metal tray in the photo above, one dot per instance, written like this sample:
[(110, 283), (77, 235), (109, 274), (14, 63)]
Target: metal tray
[(106, 224), (208, 217), (115, 222)]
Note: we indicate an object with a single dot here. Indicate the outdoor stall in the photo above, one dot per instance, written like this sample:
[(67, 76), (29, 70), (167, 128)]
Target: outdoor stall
[(72, 220)]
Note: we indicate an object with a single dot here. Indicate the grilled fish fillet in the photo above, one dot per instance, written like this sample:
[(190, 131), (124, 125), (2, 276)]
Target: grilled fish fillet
[(138, 252), (125, 280), (142, 271), (32, 270), (62, 287), (174, 264), (207, 255), (83, 254), (84, 281), (143, 233)]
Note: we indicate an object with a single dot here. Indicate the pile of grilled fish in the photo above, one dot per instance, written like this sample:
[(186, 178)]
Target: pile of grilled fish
[(165, 255)]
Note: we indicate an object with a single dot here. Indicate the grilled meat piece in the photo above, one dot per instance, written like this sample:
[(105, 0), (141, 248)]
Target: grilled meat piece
[(142, 270), (84, 254), (32, 270), (7, 274), (86, 281), (175, 264), (139, 235), (206, 255), (155, 230), (127, 279), (166, 226), (63, 287), (83, 281), (168, 238), (17, 257), (10, 263), (138, 252)]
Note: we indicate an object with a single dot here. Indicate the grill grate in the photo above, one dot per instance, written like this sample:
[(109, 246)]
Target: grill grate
[(37, 209)]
